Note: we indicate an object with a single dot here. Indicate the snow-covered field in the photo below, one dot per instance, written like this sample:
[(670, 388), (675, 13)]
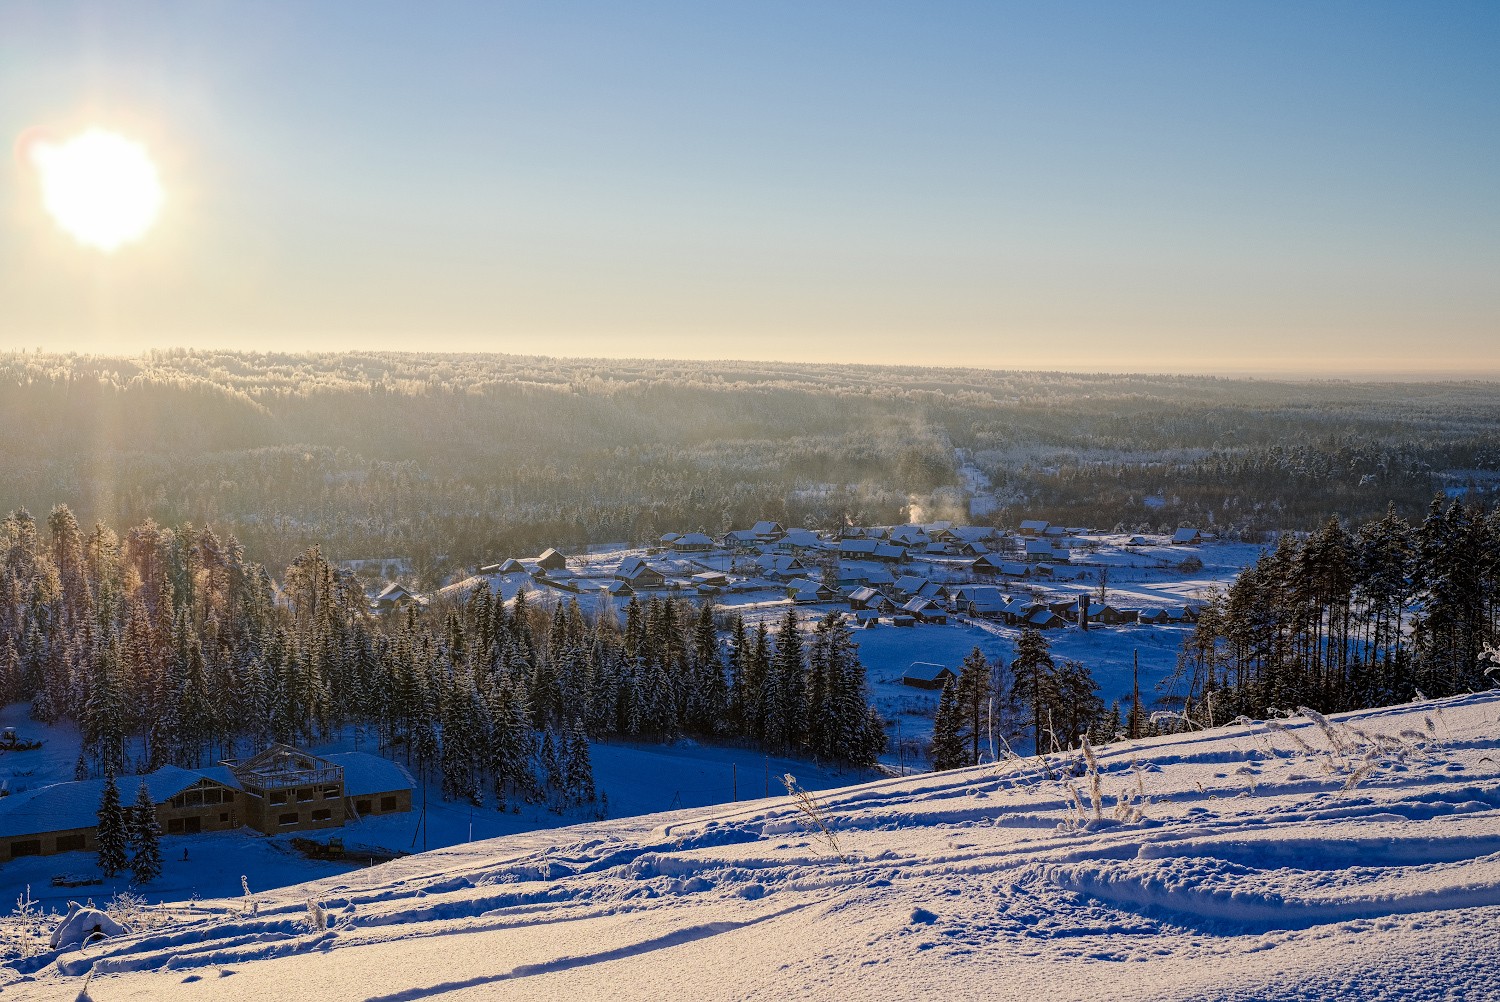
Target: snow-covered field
[(1351, 859)]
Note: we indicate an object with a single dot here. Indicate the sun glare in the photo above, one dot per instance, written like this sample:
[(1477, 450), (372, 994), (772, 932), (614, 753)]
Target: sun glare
[(100, 188)]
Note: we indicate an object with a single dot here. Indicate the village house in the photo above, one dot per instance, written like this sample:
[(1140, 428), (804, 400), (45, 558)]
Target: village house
[(799, 539), (393, 596), (1034, 527), (1187, 536), (692, 542), (1042, 551), (768, 532), (779, 565), (1108, 615), (640, 574), (869, 598), (925, 610)]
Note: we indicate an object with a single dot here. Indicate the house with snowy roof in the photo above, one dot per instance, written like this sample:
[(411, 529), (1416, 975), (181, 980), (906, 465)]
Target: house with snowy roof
[(393, 596), (640, 574), (779, 565), (926, 675), (870, 598), (768, 532), (799, 539), (925, 610), (1042, 550), (1187, 536), (692, 542)]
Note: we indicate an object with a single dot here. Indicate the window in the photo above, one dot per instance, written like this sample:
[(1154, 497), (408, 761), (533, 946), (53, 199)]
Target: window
[(322, 814), (174, 826), (331, 793), (211, 796), (278, 798), (287, 819), (195, 798), (223, 815), (362, 806), (70, 843), (304, 794), (387, 803), (26, 847)]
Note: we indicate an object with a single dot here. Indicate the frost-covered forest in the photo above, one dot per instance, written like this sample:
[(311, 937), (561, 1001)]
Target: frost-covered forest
[(168, 648), (455, 460)]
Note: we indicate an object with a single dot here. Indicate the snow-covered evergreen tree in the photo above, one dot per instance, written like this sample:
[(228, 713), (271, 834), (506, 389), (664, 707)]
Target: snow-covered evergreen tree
[(947, 742), (144, 837), (112, 832)]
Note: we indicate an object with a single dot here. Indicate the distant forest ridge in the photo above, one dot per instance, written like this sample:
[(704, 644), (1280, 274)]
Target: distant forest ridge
[(452, 460)]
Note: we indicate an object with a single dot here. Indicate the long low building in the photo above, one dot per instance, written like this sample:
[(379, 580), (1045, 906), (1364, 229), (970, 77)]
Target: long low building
[(278, 790)]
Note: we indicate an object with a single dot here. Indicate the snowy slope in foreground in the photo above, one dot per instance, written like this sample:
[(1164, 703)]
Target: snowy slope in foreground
[(1345, 860)]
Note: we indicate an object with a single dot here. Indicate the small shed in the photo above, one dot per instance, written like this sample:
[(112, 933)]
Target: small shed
[(926, 675), (551, 560)]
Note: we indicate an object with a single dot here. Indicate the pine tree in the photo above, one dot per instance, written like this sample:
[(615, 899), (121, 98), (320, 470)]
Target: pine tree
[(974, 694), (111, 833), (144, 837), (947, 743)]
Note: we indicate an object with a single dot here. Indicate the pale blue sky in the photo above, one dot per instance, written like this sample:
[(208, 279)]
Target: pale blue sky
[(1189, 186)]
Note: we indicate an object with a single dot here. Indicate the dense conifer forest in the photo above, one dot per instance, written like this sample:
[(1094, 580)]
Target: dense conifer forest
[(1341, 618), (169, 647), (457, 460)]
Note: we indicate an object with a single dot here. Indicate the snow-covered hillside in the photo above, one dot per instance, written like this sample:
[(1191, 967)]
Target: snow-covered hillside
[(1355, 858)]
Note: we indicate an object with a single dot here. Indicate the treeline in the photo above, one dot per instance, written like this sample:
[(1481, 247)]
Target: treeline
[(988, 710), (168, 646), (1340, 620), (452, 461)]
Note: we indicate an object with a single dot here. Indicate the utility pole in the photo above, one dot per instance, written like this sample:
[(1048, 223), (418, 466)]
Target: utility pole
[(734, 773)]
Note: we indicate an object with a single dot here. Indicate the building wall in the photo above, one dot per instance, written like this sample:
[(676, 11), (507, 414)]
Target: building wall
[(295, 808), (388, 802), (49, 843)]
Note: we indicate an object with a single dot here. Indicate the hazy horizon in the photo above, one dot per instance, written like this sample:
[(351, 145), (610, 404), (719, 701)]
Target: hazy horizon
[(1281, 190)]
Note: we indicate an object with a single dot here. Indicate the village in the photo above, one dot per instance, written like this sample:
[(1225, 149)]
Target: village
[(919, 596), (1041, 575)]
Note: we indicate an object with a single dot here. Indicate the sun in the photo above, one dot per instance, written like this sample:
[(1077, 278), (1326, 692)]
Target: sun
[(99, 187)]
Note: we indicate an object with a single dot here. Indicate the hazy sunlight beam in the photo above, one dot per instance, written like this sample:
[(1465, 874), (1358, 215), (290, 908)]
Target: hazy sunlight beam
[(99, 187)]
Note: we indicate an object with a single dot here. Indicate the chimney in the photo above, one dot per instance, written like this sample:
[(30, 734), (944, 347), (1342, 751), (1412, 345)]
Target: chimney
[(1083, 611)]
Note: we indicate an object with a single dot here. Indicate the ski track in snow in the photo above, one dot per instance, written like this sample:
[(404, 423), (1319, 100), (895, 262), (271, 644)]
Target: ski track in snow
[(1290, 861)]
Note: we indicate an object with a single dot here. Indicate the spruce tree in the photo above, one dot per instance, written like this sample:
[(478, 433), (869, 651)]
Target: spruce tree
[(579, 767), (947, 743), (144, 836), (111, 833)]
